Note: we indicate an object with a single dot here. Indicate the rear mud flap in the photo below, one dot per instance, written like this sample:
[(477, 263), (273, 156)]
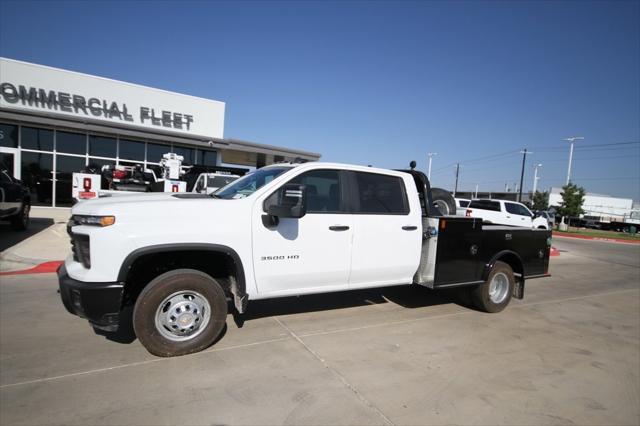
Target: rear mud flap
[(518, 290)]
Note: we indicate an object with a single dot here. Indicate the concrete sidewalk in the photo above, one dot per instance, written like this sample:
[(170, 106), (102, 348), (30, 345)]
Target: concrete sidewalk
[(51, 243)]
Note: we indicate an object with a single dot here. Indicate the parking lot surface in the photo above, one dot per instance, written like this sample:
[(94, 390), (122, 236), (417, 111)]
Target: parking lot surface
[(569, 353)]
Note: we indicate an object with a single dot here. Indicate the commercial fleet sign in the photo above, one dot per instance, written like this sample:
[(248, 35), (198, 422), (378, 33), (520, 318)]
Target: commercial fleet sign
[(40, 89)]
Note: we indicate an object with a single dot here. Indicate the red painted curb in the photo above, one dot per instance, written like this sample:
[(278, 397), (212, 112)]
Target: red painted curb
[(554, 252), (585, 237), (43, 268)]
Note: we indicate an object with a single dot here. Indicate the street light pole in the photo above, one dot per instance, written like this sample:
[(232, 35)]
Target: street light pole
[(457, 174), (430, 155), (524, 159), (535, 177), (571, 140)]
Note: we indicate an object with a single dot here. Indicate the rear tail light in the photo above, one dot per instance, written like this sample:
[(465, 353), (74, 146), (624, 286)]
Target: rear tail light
[(468, 213)]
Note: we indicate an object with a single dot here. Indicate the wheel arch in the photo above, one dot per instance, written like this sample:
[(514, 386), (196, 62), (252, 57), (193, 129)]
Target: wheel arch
[(237, 281)]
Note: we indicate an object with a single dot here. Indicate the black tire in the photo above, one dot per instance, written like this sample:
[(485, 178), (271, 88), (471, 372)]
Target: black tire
[(481, 296), (20, 222), (155, 294), (444, 201)]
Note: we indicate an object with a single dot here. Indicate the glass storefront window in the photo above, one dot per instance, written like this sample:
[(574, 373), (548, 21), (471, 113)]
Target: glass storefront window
[(156, 151), (65, 167), (8, 135), (71, 143), (101, 146), (131, 150), (36, 173), (189, 154), (39, 139), (208, 158)]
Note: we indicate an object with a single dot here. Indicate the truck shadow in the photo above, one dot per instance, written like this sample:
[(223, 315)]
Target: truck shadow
[(10, 237), (409, 296)]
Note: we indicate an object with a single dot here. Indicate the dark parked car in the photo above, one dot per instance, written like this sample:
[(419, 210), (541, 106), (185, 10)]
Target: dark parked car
[(15, 201)]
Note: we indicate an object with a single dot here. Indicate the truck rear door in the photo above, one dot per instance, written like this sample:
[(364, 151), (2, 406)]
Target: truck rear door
[(387, 229)]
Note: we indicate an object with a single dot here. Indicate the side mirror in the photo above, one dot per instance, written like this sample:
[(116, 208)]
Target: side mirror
[(292, 203)]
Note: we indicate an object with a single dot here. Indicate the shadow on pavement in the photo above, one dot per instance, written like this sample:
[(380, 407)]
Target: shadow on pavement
[(409, 296), (10, 237)]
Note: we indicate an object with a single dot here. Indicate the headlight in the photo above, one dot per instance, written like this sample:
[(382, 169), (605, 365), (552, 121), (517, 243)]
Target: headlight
[(93, 220)]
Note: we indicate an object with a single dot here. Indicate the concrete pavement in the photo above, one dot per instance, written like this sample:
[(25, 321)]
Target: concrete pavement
[(568, 353), (45, 240)]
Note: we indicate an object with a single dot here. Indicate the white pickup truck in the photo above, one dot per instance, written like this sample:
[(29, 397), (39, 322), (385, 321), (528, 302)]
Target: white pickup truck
[(208, 183), (285, 229), (502, 212)]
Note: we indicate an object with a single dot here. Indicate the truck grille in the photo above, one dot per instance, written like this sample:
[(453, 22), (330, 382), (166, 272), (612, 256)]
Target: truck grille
[(80, 248)]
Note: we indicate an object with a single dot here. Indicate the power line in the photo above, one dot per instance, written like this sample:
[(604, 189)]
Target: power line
[(543, 147)]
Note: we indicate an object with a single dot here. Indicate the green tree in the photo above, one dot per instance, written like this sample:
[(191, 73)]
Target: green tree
[(540, 200), (572, 199)]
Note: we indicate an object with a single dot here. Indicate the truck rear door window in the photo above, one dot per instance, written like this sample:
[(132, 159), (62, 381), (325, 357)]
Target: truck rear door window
[(380, 194)]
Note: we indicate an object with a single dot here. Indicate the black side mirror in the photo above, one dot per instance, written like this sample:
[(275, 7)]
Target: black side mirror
[(292, 203)]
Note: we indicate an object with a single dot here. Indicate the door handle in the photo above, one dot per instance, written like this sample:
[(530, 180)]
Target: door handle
[(338, 228), (409, 228)]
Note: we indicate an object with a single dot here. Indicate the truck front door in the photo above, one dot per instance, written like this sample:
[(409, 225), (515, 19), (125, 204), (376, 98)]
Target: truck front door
[(310, 254)]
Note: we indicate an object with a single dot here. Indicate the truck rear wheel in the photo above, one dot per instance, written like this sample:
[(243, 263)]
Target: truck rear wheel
[(180, 312), (495, 294)]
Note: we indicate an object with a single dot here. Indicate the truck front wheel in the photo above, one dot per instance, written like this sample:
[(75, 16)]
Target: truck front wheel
[(179, 312), (494, 295)]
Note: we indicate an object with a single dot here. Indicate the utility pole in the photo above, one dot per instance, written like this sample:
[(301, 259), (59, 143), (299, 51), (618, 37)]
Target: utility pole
[(524, 159), (535, 177), (430, 155), (476, 196), (457, 174), (571, 140)]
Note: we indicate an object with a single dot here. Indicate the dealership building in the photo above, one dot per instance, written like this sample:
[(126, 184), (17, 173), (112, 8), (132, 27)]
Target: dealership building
[(54, 122)]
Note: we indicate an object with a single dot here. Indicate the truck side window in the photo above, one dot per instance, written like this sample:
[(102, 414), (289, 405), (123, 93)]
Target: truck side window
[(323, 191), (493, 206), (380, 194), (517, 209)]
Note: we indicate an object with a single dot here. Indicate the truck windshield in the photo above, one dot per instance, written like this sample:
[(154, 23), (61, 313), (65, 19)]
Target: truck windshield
[(250, 183)]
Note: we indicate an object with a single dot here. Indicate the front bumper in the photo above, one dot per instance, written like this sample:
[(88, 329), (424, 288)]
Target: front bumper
[(100, 303)]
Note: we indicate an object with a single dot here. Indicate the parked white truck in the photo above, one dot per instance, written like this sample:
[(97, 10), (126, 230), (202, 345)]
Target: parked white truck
[(285, 229)]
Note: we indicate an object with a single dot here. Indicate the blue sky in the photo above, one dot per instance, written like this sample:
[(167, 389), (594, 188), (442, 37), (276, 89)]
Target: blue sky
[(380, 83)]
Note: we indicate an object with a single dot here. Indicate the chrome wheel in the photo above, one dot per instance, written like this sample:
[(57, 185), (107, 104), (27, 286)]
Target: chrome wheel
[(182, 315), (499, 288)]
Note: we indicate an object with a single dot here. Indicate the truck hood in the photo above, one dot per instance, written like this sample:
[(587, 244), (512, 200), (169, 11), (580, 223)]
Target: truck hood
[(152, 202)]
